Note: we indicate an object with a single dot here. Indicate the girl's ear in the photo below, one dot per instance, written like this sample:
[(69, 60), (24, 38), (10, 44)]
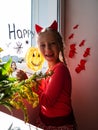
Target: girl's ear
[(38, 28)]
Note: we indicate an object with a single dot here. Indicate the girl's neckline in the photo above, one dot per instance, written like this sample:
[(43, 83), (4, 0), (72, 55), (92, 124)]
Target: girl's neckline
[(52, 67)]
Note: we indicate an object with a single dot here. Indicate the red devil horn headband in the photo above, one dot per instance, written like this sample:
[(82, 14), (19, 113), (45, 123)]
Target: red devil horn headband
[(38, 28), (54, 26)]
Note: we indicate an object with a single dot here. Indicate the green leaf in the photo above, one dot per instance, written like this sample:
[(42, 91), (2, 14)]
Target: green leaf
[(12, 79), (5, 69)]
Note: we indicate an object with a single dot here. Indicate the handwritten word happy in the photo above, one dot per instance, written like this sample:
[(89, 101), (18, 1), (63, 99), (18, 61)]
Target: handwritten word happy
[(18, 33)]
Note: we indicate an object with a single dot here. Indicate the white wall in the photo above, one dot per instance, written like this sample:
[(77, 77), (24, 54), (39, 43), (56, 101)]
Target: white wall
[(85, 83)]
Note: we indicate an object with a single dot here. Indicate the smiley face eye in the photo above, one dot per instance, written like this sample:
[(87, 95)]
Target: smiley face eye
[(33, 55), (38, 55)]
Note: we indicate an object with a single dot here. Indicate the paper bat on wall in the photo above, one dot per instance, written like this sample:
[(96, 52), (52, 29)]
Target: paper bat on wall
[(82, 43), (72, 50), (76, 26), (80, 66), (71, 36), (86, 52)]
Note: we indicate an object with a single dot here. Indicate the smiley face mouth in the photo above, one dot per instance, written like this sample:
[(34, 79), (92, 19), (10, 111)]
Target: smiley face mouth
[(36, 64)]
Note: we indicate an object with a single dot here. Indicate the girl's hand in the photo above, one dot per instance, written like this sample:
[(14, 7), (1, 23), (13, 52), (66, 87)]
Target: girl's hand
[(21, 75)]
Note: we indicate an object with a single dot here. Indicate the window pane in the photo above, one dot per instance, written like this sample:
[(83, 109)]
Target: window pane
[(43, 12), (15, 25)]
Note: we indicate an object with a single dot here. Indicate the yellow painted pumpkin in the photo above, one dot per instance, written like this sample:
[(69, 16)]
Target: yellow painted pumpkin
[(34, 59)]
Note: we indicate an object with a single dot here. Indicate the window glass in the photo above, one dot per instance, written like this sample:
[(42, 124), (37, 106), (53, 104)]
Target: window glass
[(15, 28), (17, 22), (43, 12)]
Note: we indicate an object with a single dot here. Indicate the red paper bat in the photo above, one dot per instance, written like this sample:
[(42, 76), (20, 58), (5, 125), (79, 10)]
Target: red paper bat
[(82, 43), (73, 46), (72, 50), (80, 66), (76, 26), (86, 52), (71, 36)]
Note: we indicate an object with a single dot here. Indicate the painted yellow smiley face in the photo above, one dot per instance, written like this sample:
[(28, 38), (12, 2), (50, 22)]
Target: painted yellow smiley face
[(34, 59)]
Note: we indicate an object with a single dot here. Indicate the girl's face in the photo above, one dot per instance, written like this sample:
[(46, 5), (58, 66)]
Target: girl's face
[(48, 46)]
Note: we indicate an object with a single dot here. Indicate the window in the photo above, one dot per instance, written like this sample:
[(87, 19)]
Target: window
[(17, 20), (43, 12), (17, 23)]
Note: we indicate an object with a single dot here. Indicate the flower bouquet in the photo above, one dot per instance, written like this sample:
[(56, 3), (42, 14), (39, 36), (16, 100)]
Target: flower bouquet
[(13, 92)]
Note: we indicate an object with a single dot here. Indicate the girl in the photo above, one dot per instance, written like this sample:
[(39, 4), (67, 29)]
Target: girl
[(56, 111)]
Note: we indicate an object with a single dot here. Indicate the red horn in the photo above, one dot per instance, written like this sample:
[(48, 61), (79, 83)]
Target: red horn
[(38, 28), (54, 25)]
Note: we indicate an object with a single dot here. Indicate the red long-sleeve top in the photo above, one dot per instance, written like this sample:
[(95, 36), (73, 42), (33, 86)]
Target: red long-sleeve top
[(55, 98)]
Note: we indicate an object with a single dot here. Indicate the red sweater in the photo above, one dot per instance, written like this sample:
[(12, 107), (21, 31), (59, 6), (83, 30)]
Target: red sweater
[(55, 99)]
